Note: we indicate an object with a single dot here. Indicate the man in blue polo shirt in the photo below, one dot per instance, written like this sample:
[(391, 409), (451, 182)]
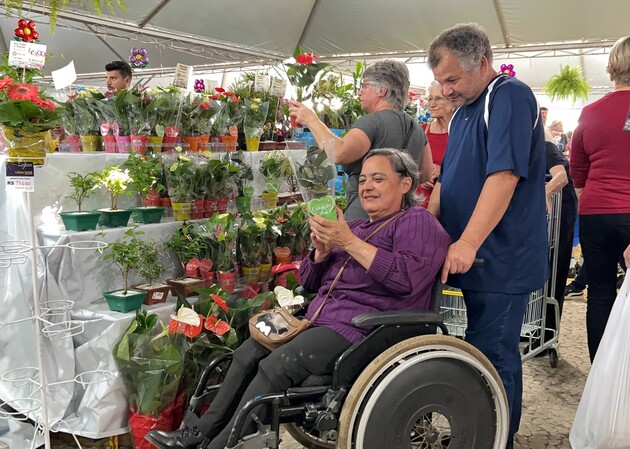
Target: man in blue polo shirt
[(491, 199)]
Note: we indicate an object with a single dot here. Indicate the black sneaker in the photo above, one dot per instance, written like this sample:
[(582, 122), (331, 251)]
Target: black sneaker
[(571, 291)]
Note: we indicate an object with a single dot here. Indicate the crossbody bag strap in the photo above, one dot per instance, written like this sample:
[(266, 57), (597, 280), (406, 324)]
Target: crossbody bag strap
[(334, 283)]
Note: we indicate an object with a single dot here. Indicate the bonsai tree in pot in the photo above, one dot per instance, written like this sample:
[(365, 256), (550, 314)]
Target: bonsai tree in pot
[(125, 255), (145, 171), (116, 181), (150, 270), (82, 188)]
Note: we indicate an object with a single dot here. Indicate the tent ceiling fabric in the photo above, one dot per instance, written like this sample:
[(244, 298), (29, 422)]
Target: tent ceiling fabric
[(219, 33)]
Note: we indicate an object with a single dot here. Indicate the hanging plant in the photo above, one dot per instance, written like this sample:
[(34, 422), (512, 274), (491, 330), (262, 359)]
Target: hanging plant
[(569, 83), (57, 5)]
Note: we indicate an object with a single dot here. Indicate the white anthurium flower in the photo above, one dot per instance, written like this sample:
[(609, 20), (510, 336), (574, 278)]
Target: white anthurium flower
[(285, 297), (187, 316)]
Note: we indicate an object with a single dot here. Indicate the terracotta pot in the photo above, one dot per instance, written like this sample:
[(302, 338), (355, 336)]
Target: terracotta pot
[(192, 142), (204, 139), (155, 293), (184, 286), (231, 141)]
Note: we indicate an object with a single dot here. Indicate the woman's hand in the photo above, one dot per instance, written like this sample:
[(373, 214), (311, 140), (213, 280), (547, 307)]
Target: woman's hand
[(303, 114), (331, 233)]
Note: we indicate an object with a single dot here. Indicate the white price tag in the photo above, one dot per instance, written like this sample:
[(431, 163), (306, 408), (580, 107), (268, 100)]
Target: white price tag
[(182, 75), (261, 82), (158, 295), (27, 54), (20, 177), (278, 87)]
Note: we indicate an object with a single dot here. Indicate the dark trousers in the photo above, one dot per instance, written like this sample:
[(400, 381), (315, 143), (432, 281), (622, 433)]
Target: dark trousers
[(564, 247), (603, 239), (494, 327), (256, 371)]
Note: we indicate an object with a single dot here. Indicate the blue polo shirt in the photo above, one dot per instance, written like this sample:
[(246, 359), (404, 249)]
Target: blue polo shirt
[(501, 130)]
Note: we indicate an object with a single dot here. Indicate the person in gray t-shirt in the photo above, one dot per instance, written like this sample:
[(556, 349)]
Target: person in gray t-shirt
[(383, 96)]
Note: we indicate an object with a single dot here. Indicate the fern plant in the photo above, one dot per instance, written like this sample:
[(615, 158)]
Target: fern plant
[(569, 83), (57, 5)]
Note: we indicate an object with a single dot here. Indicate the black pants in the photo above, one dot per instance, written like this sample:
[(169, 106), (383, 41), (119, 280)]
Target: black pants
[(603, 239), (256, 371), (564, 247)]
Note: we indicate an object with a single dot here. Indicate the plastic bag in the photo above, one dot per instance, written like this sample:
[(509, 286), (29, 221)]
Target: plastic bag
[(602, 420)]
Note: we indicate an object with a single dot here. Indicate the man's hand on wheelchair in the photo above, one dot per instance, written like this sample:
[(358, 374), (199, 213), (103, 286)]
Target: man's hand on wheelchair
[(460, 256)]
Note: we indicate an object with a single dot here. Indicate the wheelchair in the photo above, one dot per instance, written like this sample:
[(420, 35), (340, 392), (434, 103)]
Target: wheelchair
[(406, 384)]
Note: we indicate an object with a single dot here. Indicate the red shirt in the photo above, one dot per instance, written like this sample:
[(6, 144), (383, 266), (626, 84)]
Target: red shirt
[(600, 156), (437, 141)]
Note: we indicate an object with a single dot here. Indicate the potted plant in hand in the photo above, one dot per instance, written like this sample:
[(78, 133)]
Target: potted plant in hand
[(82, 188), (242, 180), (274, 167), (303, 74), (145, 171), (316, 178), (116, 182), (188, 246), (150, 269), (126, 255)]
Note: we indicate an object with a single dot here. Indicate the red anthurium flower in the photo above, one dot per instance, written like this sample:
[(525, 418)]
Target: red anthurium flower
[(23, 91), (186, 322), (5, 82), (216, 326), (220, 302), (305, 58), (219, 89)]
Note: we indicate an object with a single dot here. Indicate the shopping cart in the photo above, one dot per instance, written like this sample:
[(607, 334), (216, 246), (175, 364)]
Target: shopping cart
[(535, 337)]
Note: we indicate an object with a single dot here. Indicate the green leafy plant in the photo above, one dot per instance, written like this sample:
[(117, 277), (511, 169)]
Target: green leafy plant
[(304, 72), (274, 166), (126, 255), (251, 236), (179, 171), (115, 181), (82, 187), (245, 175), (186, 243), (145, 171), (151, 366), (316, 175), (569, 83), (150, 268), (219, 234), (221, 178)]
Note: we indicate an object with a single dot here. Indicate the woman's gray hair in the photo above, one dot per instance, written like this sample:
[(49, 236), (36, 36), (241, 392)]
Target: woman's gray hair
[(403, 164), (392, 74), (468, 42), (619, 62)]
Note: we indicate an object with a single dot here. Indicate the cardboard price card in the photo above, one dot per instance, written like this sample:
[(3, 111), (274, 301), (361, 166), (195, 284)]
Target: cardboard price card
[(20, 177), (182, 75), (27, 55), (261, 82), (278, 87)]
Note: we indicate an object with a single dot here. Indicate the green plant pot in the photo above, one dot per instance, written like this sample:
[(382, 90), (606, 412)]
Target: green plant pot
[(147, 214), (243, 204), (114, 218), (119, 303), (80, 221)]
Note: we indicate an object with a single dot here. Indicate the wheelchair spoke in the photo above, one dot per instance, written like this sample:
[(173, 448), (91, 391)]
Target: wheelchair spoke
[(431, 431)]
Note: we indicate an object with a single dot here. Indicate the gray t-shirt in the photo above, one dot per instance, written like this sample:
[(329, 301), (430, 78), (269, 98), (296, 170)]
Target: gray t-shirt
[(389, 128)]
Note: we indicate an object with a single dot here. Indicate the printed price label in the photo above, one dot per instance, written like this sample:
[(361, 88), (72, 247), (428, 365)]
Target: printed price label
[(182, 75), (261, 82), (27, 54), (278, 87), (158, 295), (20, 177)]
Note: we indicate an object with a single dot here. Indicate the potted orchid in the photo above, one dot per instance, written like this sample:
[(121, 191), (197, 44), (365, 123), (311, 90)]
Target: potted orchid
[(116, 181)]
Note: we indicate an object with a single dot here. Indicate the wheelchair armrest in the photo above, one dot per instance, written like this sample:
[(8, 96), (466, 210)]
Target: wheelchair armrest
[(397, 318)]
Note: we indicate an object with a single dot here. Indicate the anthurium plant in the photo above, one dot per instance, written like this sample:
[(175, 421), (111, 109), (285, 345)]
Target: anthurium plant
[(274, 167), (145, 171), (304, 72)]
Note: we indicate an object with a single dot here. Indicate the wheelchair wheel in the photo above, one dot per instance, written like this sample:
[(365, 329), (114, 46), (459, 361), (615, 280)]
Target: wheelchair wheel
[(305, 439), (428, 392)]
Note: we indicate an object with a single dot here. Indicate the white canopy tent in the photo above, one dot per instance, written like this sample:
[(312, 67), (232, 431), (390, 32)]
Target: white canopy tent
[(536, 36)]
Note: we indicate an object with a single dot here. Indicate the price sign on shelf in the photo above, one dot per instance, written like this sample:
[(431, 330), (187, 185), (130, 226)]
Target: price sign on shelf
[(278, 87), (27, 54), (20, 177), (261, 82), (183, 73)]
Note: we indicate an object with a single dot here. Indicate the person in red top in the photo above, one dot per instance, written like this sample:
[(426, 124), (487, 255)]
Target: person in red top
[(441, 109), (600, 167)]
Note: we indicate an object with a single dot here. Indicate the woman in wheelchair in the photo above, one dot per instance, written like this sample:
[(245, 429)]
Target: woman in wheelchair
[(394, 270)]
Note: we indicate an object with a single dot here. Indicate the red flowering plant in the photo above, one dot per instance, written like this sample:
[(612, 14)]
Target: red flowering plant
[(215, 324), (304, 72), (230, 112), (23, 105)]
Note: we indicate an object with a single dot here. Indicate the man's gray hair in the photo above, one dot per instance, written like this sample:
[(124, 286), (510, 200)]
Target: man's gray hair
[(392, 74), (468, 42), (403, 164)]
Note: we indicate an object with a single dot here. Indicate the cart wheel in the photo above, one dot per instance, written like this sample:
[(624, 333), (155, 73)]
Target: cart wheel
[(305, 439), (553, 358), (420, 393)]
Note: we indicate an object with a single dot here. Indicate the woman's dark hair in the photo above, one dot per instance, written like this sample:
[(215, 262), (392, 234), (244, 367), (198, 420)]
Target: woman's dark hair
[(121, 66), (403, 164)]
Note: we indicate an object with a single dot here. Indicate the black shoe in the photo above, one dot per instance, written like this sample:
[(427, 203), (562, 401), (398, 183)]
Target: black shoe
[(620, 279), (177, 439), (571, 292)]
